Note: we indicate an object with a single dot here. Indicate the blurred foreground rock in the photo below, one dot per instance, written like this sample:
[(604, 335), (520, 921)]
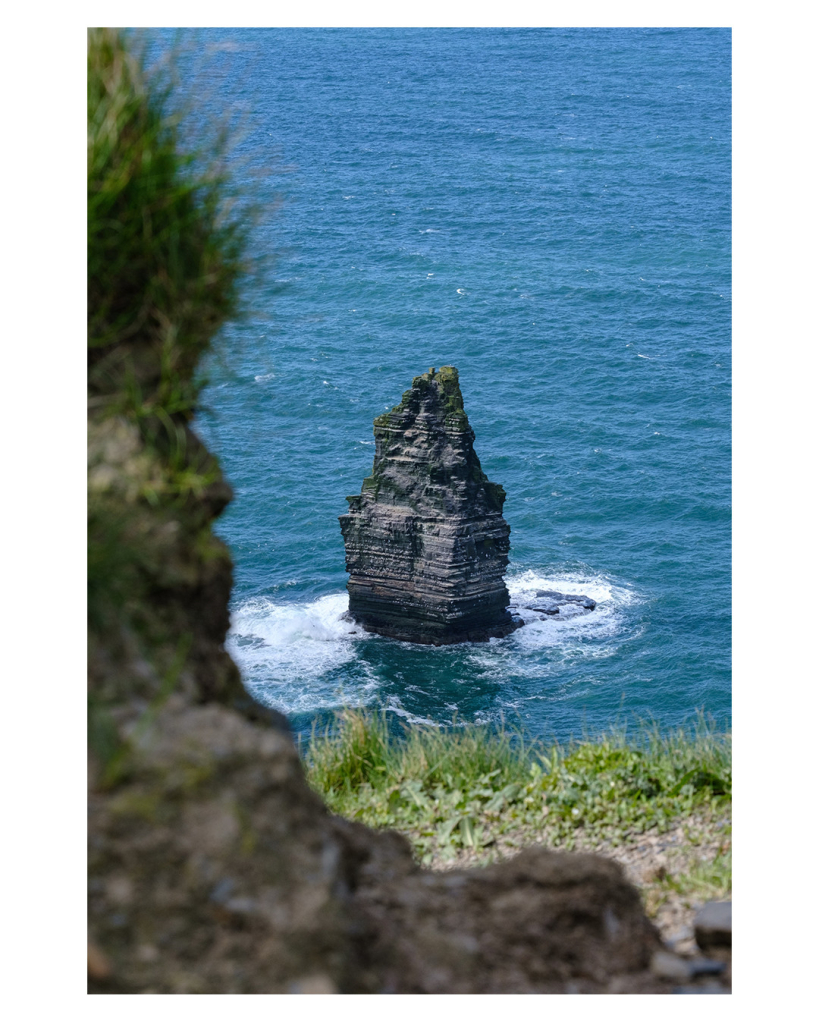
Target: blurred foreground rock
[(214, 868)]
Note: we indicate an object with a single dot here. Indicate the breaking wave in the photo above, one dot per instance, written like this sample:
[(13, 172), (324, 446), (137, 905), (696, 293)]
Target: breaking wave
[(304, 657)]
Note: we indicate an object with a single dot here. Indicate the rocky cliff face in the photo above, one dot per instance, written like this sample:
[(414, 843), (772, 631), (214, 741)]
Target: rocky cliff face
[(426, 541)]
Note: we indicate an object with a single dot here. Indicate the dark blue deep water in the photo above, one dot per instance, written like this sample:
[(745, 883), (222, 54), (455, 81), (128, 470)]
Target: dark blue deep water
[(549, 211)]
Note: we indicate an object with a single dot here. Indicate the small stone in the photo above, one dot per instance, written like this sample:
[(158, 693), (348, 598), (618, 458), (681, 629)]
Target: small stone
[(682, 935), (712, 925), (703, 967), (556, 599), (314, 985), (670, 967)]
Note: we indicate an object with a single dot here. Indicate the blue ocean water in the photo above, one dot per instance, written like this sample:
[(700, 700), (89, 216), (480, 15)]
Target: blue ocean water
[(549, 211)]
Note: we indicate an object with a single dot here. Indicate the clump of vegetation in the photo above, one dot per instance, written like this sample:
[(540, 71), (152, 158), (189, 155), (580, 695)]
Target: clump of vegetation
[(467, 787), (165, 254), (456, 418), (165, 263), (707, 881)]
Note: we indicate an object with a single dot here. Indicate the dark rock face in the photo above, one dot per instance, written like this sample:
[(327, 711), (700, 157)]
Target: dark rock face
[(552, 602), (543, 922), (426, 541), (712, 926)]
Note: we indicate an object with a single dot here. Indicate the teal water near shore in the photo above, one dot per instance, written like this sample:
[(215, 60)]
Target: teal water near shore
[(549, 211)]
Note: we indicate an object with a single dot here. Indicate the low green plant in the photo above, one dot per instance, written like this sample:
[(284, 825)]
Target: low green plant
[(709, 880), (465, 787)]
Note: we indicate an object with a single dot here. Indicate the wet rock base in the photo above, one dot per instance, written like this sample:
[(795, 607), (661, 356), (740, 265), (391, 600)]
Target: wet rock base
[(553, 603)]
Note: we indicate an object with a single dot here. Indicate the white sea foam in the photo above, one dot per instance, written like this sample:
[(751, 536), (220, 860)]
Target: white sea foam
[(523, 586), (280, 625), (292, 651), (394, 705), (575, 633), (303, 656)]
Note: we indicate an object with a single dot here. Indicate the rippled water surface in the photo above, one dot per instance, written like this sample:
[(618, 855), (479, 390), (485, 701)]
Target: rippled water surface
[(549, 211)]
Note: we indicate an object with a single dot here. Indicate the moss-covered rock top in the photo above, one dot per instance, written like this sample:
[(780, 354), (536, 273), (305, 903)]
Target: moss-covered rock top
[(443, 384), (424, 453)]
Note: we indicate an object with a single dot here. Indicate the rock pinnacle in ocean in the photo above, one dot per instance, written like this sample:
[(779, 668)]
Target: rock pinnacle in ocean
[(426, 541)]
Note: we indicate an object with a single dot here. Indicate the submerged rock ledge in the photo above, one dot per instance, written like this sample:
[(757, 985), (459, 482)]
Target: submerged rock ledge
[(426, 541)]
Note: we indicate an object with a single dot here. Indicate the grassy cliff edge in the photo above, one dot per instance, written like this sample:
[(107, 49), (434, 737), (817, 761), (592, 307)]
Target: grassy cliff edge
[(658, 802)]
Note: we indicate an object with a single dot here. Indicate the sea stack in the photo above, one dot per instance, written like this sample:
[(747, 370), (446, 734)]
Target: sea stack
[(426, 541)]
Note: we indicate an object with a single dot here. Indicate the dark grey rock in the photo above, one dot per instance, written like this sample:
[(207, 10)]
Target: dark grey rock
[(426, 542), (701, 967), (710, 988), (712, 925), (556, 597), (670, 967)]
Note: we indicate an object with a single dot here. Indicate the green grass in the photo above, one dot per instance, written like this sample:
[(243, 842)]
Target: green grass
[(708, 881), (165, 245), (467, 787)]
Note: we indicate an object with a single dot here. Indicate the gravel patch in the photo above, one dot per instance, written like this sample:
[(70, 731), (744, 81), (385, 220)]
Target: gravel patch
[(670, 868)]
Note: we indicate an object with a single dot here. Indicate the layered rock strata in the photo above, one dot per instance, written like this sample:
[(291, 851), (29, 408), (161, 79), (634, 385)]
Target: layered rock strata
[(426, 541)]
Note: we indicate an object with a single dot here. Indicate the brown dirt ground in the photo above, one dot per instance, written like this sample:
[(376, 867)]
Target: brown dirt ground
[(659, 864)]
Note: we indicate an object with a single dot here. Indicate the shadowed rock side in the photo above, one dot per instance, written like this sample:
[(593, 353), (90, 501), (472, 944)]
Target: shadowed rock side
[(426, 541)]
